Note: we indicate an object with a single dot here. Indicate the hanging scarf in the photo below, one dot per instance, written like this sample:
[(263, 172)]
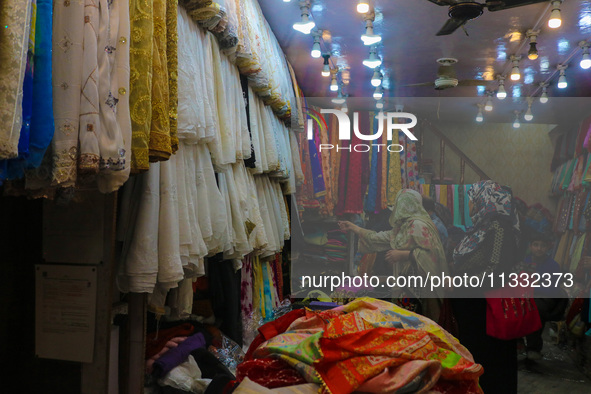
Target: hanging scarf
[(491, 201), (383, 162), (370, 200)]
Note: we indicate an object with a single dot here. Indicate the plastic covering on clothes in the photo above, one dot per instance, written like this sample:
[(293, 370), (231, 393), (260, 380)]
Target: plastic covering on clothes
[(229, 353)]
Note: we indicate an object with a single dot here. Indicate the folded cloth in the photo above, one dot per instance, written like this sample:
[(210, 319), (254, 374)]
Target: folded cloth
[(157, 340), (177, 355)]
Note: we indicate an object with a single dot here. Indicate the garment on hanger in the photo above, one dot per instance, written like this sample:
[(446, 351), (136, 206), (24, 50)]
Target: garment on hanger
[(16, 15)]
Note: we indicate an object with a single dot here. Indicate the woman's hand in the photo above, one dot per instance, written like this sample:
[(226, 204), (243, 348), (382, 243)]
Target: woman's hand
[(395, 255), (347, 226)]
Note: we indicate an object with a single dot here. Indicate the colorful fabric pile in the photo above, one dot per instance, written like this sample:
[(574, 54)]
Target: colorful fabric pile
[(336, 247), (367, 345)]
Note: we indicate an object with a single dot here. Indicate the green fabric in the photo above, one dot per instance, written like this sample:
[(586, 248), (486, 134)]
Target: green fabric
[(412, 229), (587, 176), (569, 174)]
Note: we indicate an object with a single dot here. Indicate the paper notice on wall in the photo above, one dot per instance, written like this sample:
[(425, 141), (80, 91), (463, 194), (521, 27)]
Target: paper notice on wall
[(65, 310)]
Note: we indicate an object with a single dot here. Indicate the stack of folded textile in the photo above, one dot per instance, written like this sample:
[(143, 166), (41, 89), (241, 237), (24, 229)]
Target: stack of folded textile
[(336, 246)]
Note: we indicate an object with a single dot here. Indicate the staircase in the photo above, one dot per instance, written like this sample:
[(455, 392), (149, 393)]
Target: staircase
[(444, 144)]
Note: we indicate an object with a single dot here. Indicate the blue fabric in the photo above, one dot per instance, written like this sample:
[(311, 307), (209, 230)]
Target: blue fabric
[(440, 228), (268, 301), (42, 125), (318, 178), (372, 192)]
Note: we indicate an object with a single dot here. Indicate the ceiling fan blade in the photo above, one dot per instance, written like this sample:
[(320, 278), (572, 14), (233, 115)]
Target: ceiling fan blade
[(494, 5), (446, 3), (451, 25), (473, 82), (412, 85)]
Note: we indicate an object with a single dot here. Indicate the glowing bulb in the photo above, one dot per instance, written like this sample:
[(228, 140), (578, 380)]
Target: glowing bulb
[(555, 18), (373, 61), (369, 38), (305, 25), (479, 117), (501, 93), (544, 97), (326, 70), (378, 93), (339, 100), (363, 7), (528, 115), (516, 124), (515, 74), (334, 86), (533, 51), (380, 105), (489, 106), (316, 50), (376, 79), (286, 1), (586, 59), (562, 83)]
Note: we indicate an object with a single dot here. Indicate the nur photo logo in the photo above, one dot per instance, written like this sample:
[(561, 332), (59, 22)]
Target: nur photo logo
[(388, 122)]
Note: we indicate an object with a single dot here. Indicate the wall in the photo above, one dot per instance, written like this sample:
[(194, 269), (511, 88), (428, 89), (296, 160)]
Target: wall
[(519, 158)]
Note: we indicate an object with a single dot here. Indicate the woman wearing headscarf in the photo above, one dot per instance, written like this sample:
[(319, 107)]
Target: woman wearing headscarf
[(490, 247), (413, 245)]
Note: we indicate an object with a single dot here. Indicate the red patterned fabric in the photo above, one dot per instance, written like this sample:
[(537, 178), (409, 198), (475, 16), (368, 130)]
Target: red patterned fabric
[(354, 358), (269, 372)]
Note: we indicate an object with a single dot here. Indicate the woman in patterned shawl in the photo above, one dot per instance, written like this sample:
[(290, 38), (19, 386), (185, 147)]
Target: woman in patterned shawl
[(490, 247), (413, 246)]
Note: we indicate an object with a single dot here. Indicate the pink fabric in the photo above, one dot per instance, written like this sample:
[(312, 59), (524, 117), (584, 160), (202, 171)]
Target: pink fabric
[(582, 136), (393, 379)]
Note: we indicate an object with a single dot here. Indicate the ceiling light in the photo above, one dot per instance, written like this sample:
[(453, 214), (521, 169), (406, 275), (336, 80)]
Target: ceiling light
[(516, 124), (376, 79), (533, 49), (378, 93), (479, 116), (380, 104), (586, 59), (528, 115), (562, 83), (555, 19), (489, 105), (326, 66), (515, 73), (363, 6), (373, 61), (316, 53), (501, 92), (305, 25), (340, 99), (286, 1), (544, 95), (334, 86), (369, 38)]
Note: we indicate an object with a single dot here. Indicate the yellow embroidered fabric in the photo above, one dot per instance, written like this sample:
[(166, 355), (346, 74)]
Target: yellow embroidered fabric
[(394, 177), (172, 59), (140, 81), (160, 143)]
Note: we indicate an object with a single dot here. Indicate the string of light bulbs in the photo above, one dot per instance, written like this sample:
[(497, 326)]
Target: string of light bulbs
[(554, 21)]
